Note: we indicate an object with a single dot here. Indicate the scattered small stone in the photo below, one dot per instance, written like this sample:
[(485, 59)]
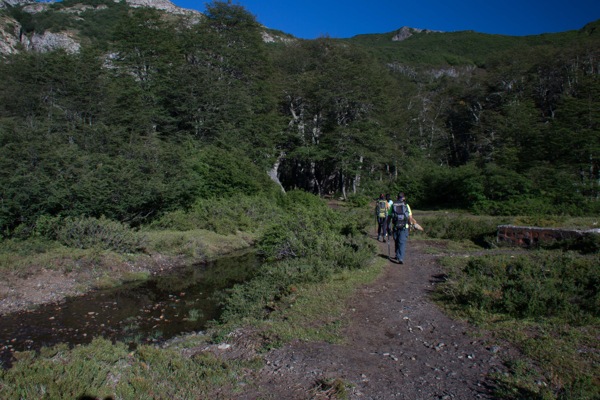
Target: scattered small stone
[(494, 349)]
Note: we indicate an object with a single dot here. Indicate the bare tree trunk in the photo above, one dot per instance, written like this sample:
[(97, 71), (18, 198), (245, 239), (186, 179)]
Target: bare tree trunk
[(343, 185), (314, 182), (356, 182), (274, 171)]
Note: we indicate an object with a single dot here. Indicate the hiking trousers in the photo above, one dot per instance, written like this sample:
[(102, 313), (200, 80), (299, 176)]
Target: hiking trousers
[(400, 239), (381, 232), (388, 225)]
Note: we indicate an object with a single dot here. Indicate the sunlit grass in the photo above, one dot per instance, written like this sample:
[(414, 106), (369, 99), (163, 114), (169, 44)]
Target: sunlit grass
[(197, 244), (317, 312), (103, 369)]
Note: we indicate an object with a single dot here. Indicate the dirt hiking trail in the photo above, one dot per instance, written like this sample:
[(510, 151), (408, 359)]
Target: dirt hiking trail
[(398, 345)]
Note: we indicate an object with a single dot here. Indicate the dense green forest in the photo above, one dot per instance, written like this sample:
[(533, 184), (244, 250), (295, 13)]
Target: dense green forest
[(157, 112), (166, 139)]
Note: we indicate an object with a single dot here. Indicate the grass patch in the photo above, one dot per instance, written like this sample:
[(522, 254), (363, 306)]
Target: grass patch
[(23, 257), (546, 303), (103, 369), (561, 361), (559, 221), (196, 244), (134, 276), (317, 312), (461, 227)]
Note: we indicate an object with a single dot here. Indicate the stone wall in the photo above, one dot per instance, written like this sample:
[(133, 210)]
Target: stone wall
[(527, 236)]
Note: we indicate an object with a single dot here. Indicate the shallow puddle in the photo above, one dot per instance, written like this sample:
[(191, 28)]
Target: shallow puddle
[(182, 301)]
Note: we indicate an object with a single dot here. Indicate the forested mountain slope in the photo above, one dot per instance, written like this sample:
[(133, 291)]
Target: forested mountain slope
[(141, 111)]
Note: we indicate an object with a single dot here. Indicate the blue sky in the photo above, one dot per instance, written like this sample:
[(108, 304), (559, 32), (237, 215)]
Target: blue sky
[(309, 19)]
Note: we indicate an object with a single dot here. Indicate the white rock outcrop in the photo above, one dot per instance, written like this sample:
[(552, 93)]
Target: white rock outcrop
[(9, 35), (11, 3), (49, 41), (405, 32), (164, 5)]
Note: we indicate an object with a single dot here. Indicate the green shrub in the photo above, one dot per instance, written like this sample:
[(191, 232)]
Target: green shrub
[(300, 199), (543, 285), (223, 215), (102, 233), (305, 230), (480, 230), (457, 187), (309, 245), (520, 205), (359, 200), (103, 369), (547, 304), (256, 299), (229, 173)]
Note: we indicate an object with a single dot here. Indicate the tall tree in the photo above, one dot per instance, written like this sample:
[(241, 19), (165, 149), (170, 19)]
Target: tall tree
[(332, 95)]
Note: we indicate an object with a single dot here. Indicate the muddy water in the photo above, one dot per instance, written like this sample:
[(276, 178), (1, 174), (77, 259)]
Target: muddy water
[(165, 306)]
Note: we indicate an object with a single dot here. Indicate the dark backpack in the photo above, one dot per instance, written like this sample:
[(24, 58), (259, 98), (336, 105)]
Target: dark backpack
[(400, 215), (380, 209)]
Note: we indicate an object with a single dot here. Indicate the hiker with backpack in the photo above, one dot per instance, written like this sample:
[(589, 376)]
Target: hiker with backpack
[(381, 212), (401, 220)]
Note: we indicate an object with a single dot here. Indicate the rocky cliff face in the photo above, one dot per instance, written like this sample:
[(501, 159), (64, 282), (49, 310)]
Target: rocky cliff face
[(405, 32), (164, 5), (13, 39), (7, 3), (9, 35), (49, 41)]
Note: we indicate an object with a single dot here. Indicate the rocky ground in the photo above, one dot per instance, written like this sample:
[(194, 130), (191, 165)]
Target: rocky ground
[(399, 345)]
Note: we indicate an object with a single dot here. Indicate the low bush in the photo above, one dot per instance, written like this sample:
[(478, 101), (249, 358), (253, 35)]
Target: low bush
[(104, 369), (224, 216), (311, 244), (102, 233), (545, 303), (480, 230), (541, 285)]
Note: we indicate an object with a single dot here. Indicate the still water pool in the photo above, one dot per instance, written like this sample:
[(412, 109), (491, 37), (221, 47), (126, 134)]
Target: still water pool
[(181, 301)]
